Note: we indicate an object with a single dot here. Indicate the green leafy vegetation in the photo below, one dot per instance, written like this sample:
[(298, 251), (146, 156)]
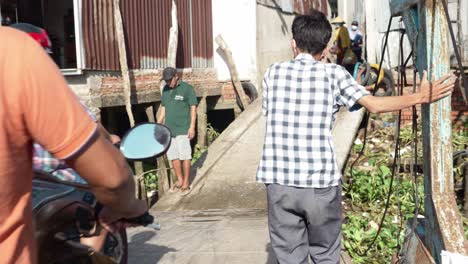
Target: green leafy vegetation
[(211, 135), (367, 187)]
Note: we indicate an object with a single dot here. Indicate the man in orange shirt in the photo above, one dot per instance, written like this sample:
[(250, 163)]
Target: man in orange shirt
[(36, 105)]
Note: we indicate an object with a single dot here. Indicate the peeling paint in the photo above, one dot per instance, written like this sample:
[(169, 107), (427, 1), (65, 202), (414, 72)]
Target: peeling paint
[(444, 228), (297, 6)]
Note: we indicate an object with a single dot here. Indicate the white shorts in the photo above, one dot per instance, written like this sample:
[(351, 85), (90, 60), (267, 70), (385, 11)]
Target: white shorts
[(180, 148)]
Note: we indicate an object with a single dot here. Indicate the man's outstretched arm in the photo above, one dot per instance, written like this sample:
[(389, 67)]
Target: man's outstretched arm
[(428, 92)]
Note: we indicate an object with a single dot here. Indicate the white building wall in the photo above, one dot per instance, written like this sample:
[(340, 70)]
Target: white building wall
[(373, 16), (236, 22), (273, 38), (376, 14)]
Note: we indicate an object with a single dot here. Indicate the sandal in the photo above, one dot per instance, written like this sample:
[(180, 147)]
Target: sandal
[(185, 190), (175, 188)]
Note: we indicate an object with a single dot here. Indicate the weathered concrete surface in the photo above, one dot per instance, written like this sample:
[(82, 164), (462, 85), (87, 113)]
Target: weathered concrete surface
[(206, 237), (224, 178), (344, 132), (212, 236), (223, 219)]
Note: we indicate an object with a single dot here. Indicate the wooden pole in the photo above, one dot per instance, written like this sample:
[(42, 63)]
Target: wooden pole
[(123, 60), (202, 122), (244, 101), (140, 190), (165, 181)]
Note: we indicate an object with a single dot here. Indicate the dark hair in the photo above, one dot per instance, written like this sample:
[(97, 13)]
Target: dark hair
[(311, 32)]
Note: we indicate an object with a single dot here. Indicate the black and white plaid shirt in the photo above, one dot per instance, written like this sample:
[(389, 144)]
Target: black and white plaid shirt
[(300, 101)]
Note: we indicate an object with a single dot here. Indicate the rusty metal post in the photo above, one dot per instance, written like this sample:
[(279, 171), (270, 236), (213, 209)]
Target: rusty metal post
[(427, 30), (445, 229)]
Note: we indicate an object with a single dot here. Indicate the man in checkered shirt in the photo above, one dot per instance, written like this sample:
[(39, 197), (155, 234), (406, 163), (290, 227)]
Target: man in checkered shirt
[(300, 101)]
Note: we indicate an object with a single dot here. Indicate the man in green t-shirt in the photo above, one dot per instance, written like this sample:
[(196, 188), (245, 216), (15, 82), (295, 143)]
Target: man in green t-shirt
[(179, 114)]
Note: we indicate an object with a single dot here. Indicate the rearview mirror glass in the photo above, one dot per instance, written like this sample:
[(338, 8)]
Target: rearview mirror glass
[(145, 140)]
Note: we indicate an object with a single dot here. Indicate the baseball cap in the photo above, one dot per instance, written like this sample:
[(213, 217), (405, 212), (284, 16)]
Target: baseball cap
[(169, 73)]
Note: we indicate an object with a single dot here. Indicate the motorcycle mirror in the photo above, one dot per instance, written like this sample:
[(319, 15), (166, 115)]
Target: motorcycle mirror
[(146, 140)]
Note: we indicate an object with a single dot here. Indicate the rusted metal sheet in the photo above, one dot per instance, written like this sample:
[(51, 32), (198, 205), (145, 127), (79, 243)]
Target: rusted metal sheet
[(414, 250), (445, 230), (99, 35), (146, 26), (184, 44), (203, 31), (297, 6)]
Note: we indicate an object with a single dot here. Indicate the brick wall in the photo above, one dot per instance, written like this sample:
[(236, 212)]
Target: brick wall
[(147, 82), (227, 92)]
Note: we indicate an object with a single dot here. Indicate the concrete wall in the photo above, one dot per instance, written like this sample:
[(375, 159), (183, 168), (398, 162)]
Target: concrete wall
[(236, 22), (273, 38)]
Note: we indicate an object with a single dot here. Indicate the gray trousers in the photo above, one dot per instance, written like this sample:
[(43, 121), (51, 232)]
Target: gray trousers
[(303, 222)]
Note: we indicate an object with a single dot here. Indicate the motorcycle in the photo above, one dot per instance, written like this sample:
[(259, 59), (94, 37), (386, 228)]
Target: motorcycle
[(66, 212), (371, 74)]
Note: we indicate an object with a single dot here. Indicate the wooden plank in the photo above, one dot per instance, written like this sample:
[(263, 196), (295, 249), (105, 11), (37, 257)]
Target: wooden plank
[(123, 60), (226, 54), (202, 122)]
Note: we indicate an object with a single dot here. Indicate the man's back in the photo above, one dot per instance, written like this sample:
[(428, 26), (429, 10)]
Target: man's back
[(31, 88), (301, 99)]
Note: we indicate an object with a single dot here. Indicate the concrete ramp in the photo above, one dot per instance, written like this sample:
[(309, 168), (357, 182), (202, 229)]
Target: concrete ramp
[(224, 177), (224, 219)]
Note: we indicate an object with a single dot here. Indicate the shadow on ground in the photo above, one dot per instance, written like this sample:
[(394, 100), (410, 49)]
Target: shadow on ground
[(142, 252)]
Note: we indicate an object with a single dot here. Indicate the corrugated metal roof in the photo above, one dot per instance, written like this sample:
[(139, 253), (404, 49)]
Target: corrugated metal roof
[(146, 26), (202, 40), (184, 46), (297, 6), (99, 35)]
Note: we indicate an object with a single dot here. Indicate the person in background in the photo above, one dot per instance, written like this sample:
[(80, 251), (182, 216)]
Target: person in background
[(179, 113), (341, 40), (356, 38)]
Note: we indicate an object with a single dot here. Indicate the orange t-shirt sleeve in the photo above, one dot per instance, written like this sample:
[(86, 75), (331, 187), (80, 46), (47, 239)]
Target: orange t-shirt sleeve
[(52, 113)]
